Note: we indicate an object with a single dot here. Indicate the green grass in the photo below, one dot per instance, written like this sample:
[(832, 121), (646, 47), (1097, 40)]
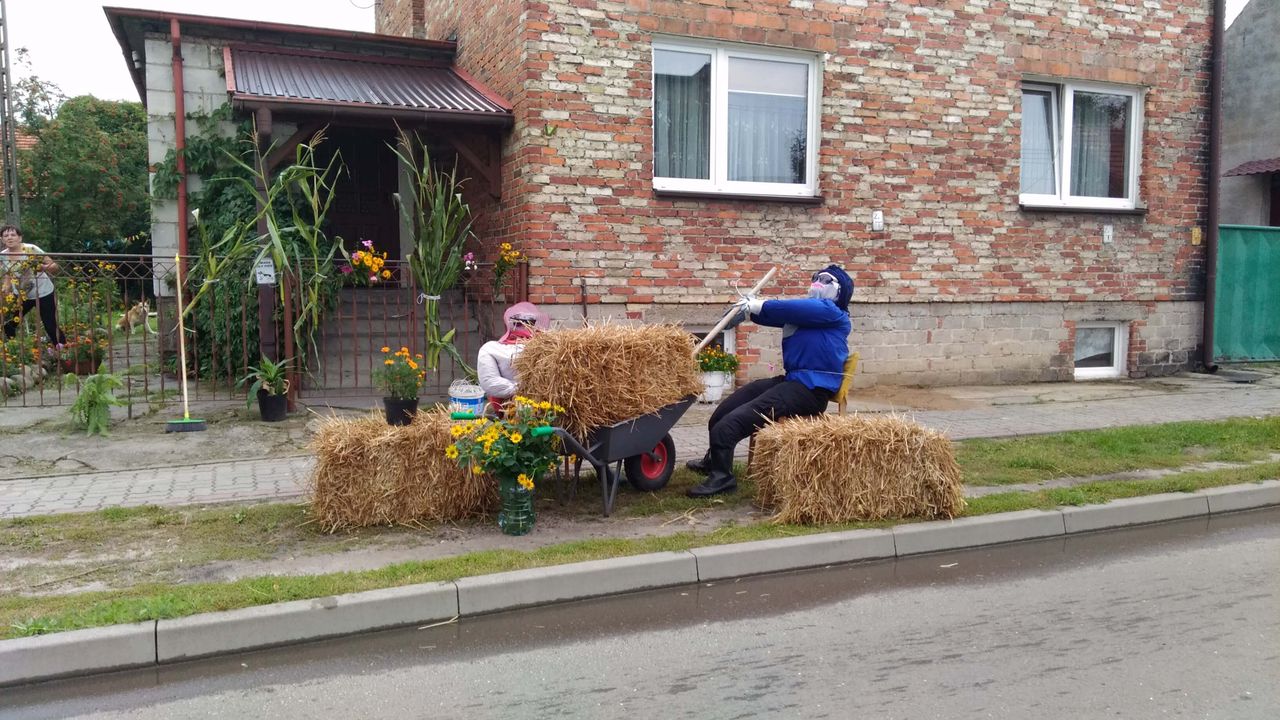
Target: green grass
[(28, 615), (175, 538), (1101, 452)]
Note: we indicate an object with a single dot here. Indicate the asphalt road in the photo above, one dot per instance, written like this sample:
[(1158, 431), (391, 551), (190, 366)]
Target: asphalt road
[(1178, 620)]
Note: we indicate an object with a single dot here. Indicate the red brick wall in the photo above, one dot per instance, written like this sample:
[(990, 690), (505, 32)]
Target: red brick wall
[(920, 120), (398, 17)]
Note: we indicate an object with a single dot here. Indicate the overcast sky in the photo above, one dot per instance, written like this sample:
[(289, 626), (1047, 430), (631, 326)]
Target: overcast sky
[(72, 45)]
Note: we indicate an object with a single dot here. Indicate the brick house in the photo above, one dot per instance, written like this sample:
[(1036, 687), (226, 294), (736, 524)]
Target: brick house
[(1018, 188)]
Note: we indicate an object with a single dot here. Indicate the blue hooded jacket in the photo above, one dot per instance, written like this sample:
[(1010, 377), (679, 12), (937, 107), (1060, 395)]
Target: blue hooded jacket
[(815, 335)]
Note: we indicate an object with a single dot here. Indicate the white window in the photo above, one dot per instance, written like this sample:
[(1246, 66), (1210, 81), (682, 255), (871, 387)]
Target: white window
[(734, 120), (1100, 350), (1081, 145)]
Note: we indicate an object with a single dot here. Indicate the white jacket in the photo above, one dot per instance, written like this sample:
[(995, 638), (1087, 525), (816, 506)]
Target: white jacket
[(493, 368)]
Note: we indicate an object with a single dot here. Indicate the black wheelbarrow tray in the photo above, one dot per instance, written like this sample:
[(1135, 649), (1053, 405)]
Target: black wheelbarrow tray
[(642, 447)]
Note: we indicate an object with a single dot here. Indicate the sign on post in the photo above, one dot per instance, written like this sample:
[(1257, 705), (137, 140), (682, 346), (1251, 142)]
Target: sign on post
[(265, 272)]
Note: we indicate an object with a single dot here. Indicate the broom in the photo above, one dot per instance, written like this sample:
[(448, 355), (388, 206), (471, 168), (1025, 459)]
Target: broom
[(187, 423)]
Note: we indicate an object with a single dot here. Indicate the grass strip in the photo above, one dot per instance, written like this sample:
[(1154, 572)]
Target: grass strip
[(34, 615), (1085, 453)]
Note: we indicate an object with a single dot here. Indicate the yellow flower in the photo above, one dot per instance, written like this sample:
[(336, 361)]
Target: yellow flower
[(525, 481), (516, 438), (386, 349), (477, 470), (413, 365), (451, 452), (388, 362), (386, 274)]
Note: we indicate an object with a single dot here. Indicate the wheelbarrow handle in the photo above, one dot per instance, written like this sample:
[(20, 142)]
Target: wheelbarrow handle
[(462, 416)]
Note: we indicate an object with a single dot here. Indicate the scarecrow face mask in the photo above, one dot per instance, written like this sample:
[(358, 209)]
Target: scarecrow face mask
[(824, 287)]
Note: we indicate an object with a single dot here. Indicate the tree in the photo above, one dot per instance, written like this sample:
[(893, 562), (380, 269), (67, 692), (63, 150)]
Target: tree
[(35, 100), (86, 177)]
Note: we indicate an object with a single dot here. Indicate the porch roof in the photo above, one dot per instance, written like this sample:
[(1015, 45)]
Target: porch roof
[(309, 81), (1255, 167)]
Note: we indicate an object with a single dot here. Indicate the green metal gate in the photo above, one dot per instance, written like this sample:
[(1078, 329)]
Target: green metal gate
[(1246, 319)]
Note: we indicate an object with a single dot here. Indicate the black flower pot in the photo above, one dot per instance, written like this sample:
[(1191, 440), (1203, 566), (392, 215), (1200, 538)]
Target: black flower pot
[(274, 408), (400, 411)]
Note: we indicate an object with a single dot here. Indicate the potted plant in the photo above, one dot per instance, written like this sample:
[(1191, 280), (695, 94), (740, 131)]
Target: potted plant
[(271, 387), (82, 353), (718, 368), (400, 376), (517, 449)]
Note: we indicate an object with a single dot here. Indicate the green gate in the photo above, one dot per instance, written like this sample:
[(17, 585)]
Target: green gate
[(1246, 319)]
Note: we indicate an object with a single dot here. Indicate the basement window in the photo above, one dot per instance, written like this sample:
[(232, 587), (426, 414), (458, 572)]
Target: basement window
[(1100, 350)]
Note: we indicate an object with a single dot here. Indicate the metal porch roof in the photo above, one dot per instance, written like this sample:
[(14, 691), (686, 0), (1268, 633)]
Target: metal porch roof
[(1255, 167), (298, 79)]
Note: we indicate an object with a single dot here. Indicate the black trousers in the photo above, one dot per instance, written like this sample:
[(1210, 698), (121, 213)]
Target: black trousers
[(48, 317), (744, 411)]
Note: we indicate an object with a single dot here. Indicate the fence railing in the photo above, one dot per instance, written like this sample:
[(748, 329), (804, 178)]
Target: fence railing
[(117, 314)]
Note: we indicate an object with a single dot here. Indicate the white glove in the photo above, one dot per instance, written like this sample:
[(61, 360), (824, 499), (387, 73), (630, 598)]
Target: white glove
[(754, 305)]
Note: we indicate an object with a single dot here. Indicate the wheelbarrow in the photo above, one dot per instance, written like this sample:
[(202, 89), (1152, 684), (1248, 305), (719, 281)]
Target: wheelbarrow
[(640, 447)]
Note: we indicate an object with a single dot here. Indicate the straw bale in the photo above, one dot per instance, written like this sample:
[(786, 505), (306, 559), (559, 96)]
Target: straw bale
[(604, 374), (839, 468), (371, 473)]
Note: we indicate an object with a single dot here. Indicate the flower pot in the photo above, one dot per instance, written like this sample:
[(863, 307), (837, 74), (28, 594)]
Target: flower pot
[(516, 516), (713, 387), (80, 366), (274, 408), (400, 411)]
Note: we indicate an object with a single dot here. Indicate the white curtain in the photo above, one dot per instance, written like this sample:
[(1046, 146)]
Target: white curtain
[(682, 119), (1038, 168), (1099, 131), (767, 138)]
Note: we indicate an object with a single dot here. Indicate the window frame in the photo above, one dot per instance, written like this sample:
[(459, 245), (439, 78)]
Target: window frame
[(1063, 106), (719, 183), (1120, 352)]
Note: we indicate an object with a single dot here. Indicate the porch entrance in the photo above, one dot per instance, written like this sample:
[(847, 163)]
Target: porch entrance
[(363, 208)]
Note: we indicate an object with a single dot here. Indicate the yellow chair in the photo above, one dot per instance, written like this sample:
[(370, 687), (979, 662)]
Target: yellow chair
[(842, 395), (841, 399)]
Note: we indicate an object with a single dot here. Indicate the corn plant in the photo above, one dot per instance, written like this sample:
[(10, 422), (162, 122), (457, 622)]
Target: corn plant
[(301, 251), (440, 222)]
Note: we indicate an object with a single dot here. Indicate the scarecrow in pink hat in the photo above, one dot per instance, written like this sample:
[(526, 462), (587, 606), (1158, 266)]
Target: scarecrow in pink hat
[(494, 364)]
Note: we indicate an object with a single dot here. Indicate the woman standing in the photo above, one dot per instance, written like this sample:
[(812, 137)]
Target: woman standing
[(25, 270)]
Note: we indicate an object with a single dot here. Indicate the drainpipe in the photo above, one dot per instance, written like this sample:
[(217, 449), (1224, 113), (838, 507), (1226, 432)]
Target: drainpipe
[(180, 133), (1215, 178)]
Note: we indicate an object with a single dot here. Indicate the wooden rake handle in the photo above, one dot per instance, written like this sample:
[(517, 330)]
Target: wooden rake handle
[(729, 315)]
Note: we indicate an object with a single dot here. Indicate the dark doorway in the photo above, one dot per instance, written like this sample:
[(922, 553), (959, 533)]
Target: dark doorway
[(363, 208)]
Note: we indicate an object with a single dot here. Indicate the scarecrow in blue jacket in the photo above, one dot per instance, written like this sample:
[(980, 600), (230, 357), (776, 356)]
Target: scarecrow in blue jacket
[(815, 346)]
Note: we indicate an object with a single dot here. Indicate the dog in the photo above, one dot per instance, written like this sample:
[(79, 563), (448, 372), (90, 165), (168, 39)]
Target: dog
[(135, 316)]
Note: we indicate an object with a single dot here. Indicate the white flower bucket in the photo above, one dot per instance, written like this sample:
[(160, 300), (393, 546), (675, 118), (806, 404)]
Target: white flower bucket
[(466, 397), (713, 387)]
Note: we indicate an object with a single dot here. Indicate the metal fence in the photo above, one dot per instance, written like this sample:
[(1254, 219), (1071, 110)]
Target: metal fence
[(117, 314)]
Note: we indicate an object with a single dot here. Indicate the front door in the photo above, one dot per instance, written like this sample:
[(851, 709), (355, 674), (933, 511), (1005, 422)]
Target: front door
[(363, 208)]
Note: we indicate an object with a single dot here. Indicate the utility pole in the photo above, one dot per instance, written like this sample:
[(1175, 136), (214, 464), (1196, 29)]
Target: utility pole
[(8, 139)]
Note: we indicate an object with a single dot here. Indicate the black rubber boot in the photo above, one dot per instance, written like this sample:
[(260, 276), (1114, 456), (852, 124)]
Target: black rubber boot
[(703, 466), (720, 479)]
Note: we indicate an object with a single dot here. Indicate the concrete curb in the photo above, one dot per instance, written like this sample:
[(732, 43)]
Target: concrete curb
[(302, 620), (79, 652), (521, 588), (83, 652)]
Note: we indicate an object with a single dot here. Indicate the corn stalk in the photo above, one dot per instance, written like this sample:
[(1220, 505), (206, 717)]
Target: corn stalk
[(440, 222), (300, 250)]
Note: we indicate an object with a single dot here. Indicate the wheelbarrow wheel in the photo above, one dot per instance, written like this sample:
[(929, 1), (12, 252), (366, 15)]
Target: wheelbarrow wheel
[(650, 471)]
